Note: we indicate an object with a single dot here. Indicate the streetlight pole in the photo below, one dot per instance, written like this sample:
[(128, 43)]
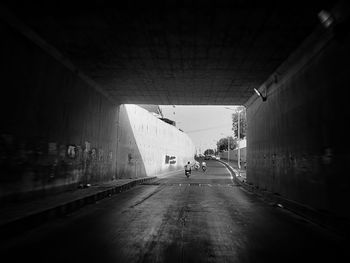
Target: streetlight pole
[(214, 141), (239, 138), (228, 150), (239, 144)]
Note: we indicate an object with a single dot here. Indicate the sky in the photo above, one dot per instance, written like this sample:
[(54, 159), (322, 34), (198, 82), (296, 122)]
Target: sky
[(204, 124)]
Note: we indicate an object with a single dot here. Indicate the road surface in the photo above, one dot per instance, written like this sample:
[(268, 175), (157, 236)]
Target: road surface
[(206, 218)]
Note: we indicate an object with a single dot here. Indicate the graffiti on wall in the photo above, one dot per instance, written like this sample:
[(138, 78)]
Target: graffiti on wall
[(41, 163), (130, 158), (71, 151), (52, 148), (170, 159)]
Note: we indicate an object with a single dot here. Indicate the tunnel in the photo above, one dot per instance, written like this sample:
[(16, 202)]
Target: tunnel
[(68, 68)]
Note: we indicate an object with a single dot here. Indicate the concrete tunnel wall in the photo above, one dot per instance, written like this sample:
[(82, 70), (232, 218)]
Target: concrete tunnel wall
[(298, 140), (148, 146), (57, 131)]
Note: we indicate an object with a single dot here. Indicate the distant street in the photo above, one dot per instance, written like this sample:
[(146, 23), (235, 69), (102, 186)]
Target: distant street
[(206, 218)]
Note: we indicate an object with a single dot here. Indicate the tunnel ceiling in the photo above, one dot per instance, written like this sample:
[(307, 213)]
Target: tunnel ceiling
[(167, 52)]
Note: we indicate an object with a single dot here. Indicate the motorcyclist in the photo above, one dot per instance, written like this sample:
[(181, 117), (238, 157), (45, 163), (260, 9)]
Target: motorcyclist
[(188, 168), (204, 166), (196, 165)]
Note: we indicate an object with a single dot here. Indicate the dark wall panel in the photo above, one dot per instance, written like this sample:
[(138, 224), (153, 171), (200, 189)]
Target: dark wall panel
[(298, 140), (56, 130)]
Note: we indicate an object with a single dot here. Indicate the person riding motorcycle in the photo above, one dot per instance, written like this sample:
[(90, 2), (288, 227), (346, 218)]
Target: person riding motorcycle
[(196, 165), (204, 166), (188, 169)]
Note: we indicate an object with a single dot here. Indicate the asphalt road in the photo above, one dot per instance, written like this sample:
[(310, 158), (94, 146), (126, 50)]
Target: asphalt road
[(204, 218)]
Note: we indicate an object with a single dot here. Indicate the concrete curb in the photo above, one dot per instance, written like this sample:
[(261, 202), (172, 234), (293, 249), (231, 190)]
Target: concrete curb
[(167, 174), (32, 220), (338, 226)]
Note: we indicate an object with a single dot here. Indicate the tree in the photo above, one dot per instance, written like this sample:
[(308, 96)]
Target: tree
[(242, 123), (208, 152), (222, 144)]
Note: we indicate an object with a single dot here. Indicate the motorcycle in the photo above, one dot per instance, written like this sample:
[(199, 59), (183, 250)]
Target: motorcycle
[(187, 173), (196, 166), (204, 168)]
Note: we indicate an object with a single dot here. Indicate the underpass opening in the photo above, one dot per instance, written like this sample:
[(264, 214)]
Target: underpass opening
[(218, 132), (211, 132)]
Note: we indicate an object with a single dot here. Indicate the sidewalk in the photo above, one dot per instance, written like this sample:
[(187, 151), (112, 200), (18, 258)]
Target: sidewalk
[(17, 217), (241, 174), (339, 226)]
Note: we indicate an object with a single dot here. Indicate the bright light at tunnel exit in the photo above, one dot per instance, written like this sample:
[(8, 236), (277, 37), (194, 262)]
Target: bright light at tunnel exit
[(205, 125)]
